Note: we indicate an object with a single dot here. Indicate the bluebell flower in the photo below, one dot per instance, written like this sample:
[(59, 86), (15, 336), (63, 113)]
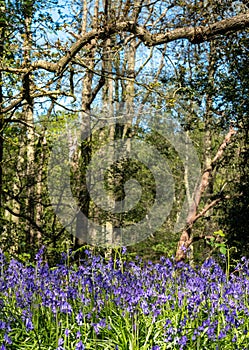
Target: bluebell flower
[(60, 343), (79, 346), (29, 324), (124, 250), (66, 332), (7, 339)]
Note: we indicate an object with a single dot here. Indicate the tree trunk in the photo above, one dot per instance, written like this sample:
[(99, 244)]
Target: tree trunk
[(40, 186), (29, 120), (82, 227), (186, 238), (2, 38)]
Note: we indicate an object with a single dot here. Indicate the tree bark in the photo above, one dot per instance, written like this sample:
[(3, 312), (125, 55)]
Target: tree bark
[(195, 35), (186, 239), (29, 119), (2, 38), (82, 227)]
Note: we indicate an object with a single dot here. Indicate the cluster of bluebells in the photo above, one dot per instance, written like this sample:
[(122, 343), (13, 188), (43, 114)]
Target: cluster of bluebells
[(179, 306)]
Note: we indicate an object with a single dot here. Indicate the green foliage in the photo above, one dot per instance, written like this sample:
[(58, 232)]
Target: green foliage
[(108, 303), (202, 87)]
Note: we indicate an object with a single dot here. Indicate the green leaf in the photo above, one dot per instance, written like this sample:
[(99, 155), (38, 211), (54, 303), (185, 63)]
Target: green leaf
[(223, 250), (219, 233)]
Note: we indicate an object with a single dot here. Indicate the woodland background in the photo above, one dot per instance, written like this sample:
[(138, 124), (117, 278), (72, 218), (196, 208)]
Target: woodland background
[(62, 60)]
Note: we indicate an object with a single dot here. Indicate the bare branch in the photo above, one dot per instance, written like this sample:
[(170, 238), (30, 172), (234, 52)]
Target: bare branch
[(193, 34), (207, 208), (97, 88), (42, 93), (223, 146), (185, 239), (205, 177)]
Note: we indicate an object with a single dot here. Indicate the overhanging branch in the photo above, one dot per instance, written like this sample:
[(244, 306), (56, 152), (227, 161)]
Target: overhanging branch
[(193, 34)]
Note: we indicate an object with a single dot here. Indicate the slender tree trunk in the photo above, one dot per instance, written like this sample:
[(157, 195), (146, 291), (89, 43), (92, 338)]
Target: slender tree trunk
[(39, 186), (208, 122), (2, 39), (82, 227), (29, 119), (186, 238), (106, 220), (123, 132)]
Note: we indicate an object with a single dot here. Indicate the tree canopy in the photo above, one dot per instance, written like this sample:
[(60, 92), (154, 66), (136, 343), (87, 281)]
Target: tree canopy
[(98, 60)]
